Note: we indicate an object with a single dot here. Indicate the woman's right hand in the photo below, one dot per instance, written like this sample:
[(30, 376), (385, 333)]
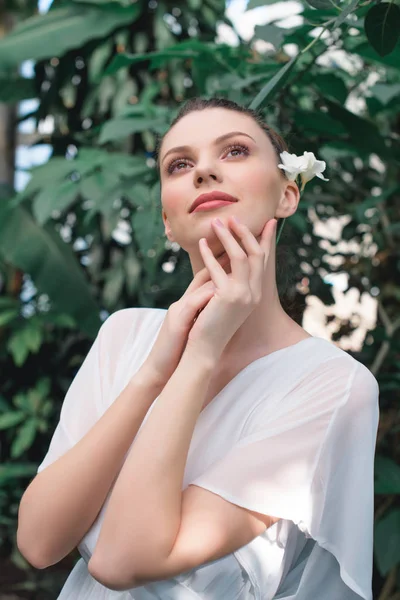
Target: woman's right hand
[(170, 344)]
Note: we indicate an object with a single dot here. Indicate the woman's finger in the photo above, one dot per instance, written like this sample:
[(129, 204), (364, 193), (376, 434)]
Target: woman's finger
[(218, 275), (258, 252), (239, 261), (204, 275)]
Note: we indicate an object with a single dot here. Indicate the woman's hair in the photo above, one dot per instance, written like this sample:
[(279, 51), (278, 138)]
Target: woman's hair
[(285, 263)]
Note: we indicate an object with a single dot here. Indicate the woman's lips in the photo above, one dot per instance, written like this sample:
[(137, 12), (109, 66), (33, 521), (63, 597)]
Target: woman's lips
[(211, 204)]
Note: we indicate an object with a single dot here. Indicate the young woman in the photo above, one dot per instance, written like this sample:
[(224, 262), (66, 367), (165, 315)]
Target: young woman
[(214, 450)]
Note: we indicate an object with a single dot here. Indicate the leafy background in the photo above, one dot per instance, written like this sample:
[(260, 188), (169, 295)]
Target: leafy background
[(84, 238)]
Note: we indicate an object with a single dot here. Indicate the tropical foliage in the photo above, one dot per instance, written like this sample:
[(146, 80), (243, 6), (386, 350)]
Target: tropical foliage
[(85, 236)]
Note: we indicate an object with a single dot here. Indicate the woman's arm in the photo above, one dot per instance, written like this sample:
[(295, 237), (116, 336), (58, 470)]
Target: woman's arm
[(62, 502), (143, 516)]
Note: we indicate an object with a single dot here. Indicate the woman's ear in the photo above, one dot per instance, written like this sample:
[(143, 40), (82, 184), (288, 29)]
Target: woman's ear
[(289, 200), (167, 227)]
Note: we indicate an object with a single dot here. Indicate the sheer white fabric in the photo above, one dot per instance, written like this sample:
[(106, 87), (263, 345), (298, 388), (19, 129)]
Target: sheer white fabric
[(292, 436)]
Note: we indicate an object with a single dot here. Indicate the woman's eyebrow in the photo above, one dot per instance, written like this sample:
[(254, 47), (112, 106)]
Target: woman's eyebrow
[(216, 141)]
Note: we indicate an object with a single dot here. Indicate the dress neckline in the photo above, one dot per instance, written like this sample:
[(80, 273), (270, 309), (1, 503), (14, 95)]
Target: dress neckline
[(255, 363)]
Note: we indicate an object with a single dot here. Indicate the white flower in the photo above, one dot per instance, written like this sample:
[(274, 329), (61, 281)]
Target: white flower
[(307, 166)]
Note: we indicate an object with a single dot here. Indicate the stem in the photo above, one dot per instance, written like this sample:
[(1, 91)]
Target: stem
[(336, 6), (311, 44)]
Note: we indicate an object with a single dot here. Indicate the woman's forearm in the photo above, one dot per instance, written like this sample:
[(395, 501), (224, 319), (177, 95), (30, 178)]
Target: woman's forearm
[(62, 502), (143, 516)]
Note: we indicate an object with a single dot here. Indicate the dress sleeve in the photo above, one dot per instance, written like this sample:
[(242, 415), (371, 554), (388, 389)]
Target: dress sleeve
[(310, 459), (87, 396)]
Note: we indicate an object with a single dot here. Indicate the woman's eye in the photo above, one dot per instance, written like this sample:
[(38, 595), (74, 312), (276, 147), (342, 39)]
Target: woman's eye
[(174, 164), (241, 149)]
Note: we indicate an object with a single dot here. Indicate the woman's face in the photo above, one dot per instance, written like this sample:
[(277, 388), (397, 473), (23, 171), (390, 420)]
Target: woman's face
[(243, 165)]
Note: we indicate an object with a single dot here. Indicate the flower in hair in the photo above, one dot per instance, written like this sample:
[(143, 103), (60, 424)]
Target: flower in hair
[(307, 166)]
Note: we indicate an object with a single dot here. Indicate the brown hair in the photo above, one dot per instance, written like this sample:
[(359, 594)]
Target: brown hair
[(285, 267), (197, 103)]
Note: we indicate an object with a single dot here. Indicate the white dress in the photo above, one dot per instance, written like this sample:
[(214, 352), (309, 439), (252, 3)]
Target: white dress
[(292, 435)]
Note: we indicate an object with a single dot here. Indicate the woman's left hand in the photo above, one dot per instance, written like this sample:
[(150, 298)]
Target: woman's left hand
[(237, 293)]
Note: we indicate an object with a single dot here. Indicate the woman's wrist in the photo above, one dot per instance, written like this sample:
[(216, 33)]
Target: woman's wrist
[(148, 378), (202, 355)]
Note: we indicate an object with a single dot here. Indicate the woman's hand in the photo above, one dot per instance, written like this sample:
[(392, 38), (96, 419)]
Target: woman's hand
[(170, 344), (236, 294)]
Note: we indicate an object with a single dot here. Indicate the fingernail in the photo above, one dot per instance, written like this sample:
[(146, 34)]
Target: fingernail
[(218, 222), (236, 219)]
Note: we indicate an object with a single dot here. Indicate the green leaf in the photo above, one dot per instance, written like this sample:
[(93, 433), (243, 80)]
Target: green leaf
[(318, 122), (371, 201), (113, 286), (6, 316), (256, 3), (133, 270), (59, 196), (363, 133), (158, 58), (8, 302), (387, 541), (102, 188), (270, 33), (11, 419), (58, 169), (319, 16), (382, 27), (385, 92), (25, 340), (17, 347), (13, 89), (330, 85), (105, 2), (346, 11), (320, 4), (387, 475), (51, 263), (147, 222), (24, 439), (275, 83), (120, 128), (366, 51), (61, 29), (10, 472)]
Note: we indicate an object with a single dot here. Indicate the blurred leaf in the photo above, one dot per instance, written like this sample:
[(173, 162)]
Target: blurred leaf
[(319, 122), (56, 197), (275, 84), (363, 133), (7, 316), (387, 541), (270, 33), (24, 341), (10, 472), (11, 419), (60, 29), (121, 128), (346, 11), (256, 3), (366, 51), (51, 264), (320, 3), (157, 59), (385, 92), (14, 88), (387, 476), (330, 85), (24, 438)]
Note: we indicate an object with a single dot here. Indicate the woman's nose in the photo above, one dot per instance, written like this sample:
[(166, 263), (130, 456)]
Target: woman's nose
[(201, 177)]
